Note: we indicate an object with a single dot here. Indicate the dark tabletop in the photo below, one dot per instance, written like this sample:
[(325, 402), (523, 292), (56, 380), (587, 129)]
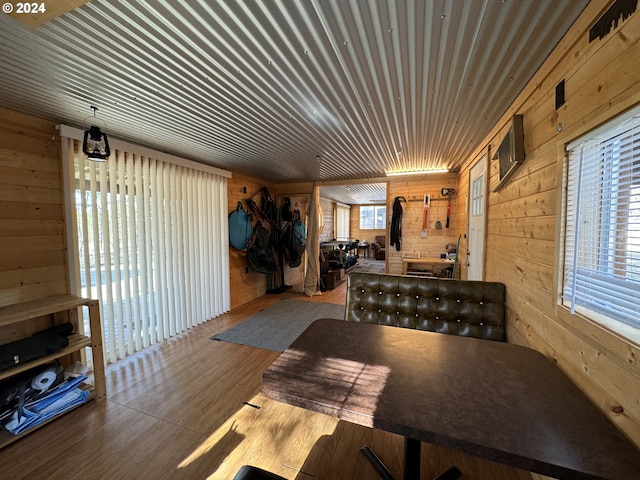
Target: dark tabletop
[(495, 400)]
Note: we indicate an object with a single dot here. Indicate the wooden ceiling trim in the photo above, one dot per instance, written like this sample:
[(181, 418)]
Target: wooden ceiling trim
[(23, 11)]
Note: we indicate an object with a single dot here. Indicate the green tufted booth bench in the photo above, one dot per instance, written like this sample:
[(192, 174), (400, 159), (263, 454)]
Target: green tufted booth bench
[(456, 307)]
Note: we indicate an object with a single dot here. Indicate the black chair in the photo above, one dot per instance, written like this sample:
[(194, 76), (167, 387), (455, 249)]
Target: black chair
[(247, 472)]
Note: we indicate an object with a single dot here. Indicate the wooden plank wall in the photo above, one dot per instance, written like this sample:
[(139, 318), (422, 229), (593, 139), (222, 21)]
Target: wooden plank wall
[(602, 79), (327, 205), (414, 188), (246, 283), (32, 236)]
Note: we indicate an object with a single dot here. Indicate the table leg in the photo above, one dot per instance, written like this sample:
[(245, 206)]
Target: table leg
[(411, 463), (376, 463)]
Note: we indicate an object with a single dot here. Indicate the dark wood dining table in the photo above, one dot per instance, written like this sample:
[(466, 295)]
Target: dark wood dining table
[(499, 401)]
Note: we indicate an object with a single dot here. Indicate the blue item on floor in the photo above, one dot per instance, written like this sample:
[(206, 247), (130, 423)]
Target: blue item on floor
[(60, 399)]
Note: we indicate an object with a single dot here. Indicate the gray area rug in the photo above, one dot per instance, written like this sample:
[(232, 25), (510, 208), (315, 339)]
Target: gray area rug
[(368, 265), (277, 326)]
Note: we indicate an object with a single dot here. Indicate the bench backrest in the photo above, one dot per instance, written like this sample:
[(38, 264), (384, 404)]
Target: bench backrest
[(457, 307)]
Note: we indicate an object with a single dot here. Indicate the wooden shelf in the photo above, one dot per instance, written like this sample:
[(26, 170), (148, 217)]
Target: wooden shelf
[(31, 314), (76, 342), (19, 312)]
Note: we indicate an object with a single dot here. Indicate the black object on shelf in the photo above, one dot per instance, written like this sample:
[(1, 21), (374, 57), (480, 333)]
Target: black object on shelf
[(41, 344)]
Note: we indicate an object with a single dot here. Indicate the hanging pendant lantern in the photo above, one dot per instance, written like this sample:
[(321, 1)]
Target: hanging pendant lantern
[(95, 143)]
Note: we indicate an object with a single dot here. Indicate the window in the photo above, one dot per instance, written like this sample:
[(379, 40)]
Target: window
[(602, 235), (373, 217), (477, 196), (152, 242)]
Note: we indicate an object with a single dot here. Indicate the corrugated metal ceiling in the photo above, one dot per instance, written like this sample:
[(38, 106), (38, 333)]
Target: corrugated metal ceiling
[(287, 90), (356, 193)]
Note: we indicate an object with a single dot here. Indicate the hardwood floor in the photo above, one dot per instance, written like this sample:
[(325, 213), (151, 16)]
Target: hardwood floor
[(191, 408)]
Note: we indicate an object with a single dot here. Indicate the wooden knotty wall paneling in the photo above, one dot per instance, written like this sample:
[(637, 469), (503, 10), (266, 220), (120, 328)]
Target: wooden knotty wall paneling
[(524, 242), (246, 283), (413, 188), (327, 205), (32, 237)]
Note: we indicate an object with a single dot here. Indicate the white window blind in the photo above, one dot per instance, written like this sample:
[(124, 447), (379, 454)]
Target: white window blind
[(602, 235), (343, 222), (152, 244)]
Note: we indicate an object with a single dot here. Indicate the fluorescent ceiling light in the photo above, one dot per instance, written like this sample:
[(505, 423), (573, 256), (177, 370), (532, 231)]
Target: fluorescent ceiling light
[(418, 172)]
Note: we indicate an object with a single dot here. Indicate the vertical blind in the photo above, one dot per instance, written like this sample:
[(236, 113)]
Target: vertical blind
[(343, 222), (152, 245), (602, 236)]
